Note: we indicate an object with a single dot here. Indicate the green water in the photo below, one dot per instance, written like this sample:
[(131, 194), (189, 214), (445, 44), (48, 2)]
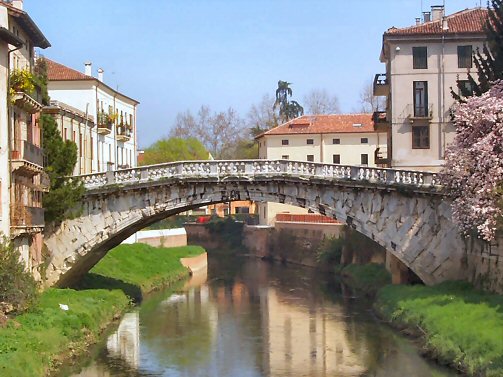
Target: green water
[(251, 318)]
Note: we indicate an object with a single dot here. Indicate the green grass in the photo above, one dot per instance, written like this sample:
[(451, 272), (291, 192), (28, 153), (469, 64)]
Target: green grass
[(367, 278), (461, 326), (32, 343), (140, 268)]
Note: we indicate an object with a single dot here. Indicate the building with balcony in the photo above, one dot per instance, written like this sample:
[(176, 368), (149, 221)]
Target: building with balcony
[(111, 143), (423, 62), (347, 139), (77, 126), (23, 181)]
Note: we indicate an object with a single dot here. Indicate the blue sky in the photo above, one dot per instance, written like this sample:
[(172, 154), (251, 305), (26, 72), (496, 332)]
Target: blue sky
[(174, 55)]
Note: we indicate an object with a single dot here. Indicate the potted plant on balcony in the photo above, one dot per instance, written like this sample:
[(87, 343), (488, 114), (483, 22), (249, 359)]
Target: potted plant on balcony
[(21, 80)]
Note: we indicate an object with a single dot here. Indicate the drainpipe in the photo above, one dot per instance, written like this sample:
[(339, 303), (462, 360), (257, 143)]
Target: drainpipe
[(441, 129)]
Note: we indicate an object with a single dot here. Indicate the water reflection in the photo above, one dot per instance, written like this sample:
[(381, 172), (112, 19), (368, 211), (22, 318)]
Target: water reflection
[(255, 319)]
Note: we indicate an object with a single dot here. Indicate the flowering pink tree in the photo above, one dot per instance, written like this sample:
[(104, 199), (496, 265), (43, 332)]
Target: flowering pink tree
[(473, 172)]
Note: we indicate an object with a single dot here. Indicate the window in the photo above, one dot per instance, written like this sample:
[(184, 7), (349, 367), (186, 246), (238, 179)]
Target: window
[(336, 158), (420, 98), (284, 142), (420, 57), (364, 159), (465, 88), (336, 141), (465, 56), (310, 141), (310, 157), (364, 140), (420, 137), (285, 157)]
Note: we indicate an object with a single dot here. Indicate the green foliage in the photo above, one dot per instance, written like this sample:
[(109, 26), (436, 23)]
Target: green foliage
[(489, 61), (21, 80), (143, 266), (230, 230), (65, 193), (287, 109), (40, 80), (175, 149), (367, 278), (246, 149), (461, 326), (35, 342), (329, 250), (17, 286)]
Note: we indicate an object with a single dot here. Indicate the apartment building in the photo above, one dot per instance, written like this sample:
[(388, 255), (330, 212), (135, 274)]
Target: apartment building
[(347, 139), (423, 62), (112, 143), (78, 126), (21, 159)]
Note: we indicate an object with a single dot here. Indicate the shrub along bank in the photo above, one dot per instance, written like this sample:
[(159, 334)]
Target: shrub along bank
[(33, 343), (367, 278), (459, 325)]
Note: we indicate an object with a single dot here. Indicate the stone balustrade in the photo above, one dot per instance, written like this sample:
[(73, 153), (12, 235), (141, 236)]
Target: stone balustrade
[(251, 169)]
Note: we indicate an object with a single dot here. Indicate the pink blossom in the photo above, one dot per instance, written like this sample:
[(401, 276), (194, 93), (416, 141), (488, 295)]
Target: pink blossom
[(474, 163)]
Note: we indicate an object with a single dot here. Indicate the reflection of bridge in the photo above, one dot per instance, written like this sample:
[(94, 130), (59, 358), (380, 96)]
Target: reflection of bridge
[(403, 211)]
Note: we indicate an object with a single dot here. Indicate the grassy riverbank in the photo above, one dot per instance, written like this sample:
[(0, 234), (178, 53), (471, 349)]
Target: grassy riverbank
[(39, 340), (459, 325), (138, 268)]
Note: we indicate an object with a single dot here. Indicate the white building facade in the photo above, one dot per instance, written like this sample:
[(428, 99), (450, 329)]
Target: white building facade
[(423, 62), (112, 142), (347, 139)]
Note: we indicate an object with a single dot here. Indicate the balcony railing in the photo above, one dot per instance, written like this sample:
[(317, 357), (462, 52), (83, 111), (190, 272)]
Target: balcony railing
[(381, 85), (123, 132), (419, 112), (28, 156), (24, 217)]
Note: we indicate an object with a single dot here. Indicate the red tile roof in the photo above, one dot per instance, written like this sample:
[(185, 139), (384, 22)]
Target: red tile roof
[(324, 124), (466, 21), (60, 72)]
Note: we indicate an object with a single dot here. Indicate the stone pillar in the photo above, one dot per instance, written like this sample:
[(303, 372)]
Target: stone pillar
[(399, 271)]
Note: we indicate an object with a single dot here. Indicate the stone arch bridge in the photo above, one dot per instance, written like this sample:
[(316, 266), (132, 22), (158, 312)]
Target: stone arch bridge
[(404, 211)]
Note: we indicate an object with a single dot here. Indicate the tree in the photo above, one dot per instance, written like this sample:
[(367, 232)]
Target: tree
[(473, 172), (287, 109), (489, 62), (219, 132), (262, 116), (318, 101), (368, 102), (65, 192), (174, 149)]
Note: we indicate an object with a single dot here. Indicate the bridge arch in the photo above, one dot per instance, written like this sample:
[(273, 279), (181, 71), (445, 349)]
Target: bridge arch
[(405, 213)]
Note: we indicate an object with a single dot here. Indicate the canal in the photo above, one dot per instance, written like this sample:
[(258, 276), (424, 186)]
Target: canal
[(252, 318)]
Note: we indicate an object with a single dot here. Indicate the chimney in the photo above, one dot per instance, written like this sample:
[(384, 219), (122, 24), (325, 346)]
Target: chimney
[(88, 69), (100, 74), (18, 4), (427, 16), (437, 12), (418, 21)]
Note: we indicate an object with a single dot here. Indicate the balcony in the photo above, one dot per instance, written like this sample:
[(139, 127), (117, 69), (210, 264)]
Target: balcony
[(27, 158), (105, 123), (123, 132), (24, 217), (381, 85), (381, 158), (419, 112), (26, 102)]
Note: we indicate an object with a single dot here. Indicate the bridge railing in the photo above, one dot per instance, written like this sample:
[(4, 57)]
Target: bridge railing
[(224, 169)]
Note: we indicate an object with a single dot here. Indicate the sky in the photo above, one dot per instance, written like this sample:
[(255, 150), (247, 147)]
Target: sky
[(176, 55)]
